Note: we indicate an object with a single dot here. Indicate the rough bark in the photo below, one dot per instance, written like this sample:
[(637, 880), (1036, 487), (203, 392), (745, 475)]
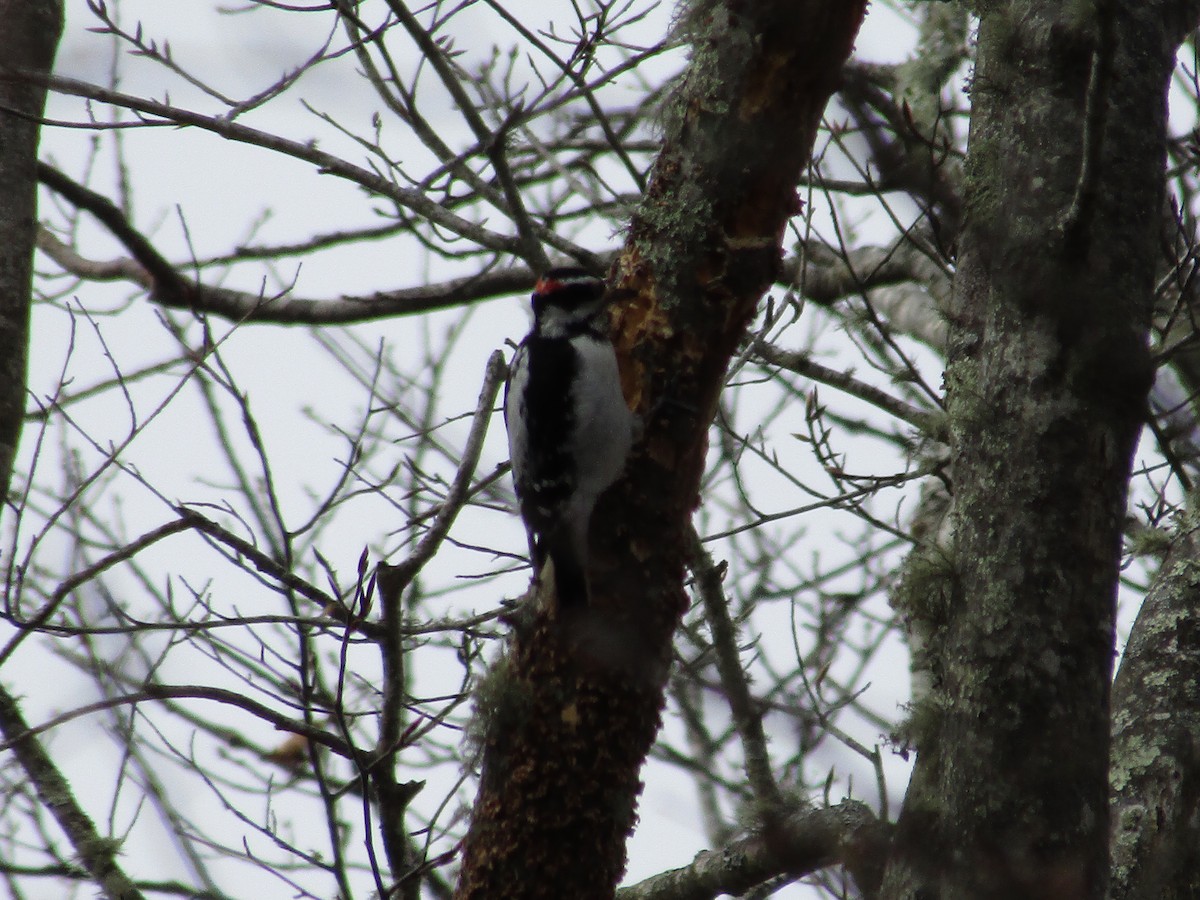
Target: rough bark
[(1046, 385), (1155, 773), (576, 704)]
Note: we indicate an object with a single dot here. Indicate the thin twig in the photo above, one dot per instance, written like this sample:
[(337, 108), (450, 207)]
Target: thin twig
[(402, 574), (189, 692), (326, 163), (32, 624), (929, 424), (747, 715)]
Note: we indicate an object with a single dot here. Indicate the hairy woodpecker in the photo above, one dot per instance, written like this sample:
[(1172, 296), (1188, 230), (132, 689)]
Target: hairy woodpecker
[(569, 429)]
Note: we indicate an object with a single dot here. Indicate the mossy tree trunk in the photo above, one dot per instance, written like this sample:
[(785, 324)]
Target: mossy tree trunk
[(1155, 770), (1047, 377)]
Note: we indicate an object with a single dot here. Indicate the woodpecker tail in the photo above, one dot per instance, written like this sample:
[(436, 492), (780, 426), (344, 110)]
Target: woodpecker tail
[(570, 580), (570, 575)]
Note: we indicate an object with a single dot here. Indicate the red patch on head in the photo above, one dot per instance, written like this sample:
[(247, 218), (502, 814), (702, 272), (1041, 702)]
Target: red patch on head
[(547, 285)]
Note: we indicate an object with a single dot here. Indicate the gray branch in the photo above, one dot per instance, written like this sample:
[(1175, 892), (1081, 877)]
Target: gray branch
[(804, 842)]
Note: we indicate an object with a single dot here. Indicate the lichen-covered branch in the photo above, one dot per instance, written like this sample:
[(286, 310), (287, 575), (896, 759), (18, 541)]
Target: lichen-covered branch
[(1156, 735), (96, 853), (802, 843)]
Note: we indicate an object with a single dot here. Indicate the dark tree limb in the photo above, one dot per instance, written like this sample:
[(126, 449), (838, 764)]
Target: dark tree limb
[(155, 691), (170, 288), (747, 711), (929, 424), (824, 275), (32, 29), (226, 127)]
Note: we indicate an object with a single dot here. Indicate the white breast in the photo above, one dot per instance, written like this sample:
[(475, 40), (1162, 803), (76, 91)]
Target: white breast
[(605, 428)]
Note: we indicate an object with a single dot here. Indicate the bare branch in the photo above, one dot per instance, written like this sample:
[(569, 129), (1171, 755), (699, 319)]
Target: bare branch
[(400, 575), (155, 691), (930, 424), (747, 715), (171, 289), (97, 854), (325, 163), (804, 842)]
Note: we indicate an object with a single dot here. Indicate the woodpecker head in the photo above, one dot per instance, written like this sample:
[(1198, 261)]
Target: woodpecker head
[(567, 299)]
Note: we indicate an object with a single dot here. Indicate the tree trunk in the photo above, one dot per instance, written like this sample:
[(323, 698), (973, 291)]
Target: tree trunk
[(1046, 385), (32, 29), (1156, 736), (573, 709)]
